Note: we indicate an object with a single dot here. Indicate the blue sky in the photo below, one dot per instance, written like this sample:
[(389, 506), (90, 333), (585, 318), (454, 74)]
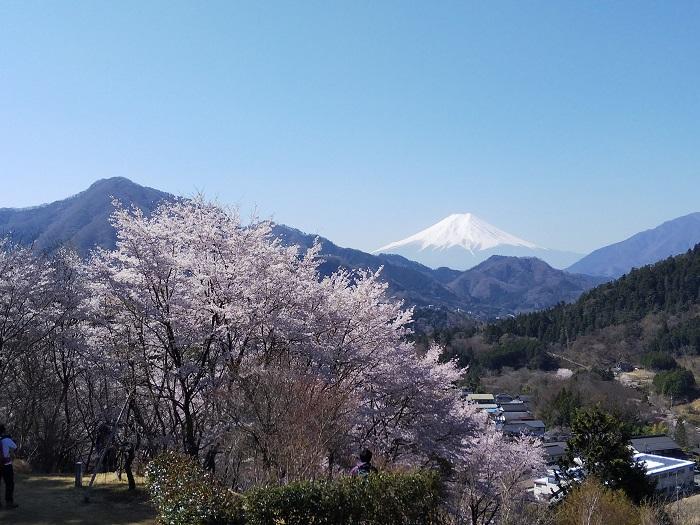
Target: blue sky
[(572, 125)]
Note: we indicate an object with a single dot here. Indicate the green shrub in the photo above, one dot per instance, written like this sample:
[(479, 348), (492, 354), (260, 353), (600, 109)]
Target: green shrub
[(385, 498), (184, 494), (659, 361), (677, 383)]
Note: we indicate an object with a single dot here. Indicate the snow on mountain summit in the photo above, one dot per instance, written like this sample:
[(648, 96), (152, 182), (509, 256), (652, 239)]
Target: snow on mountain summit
[(459, 230)]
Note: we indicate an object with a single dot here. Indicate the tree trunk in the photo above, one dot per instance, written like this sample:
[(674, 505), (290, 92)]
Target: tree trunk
[(127, 467)]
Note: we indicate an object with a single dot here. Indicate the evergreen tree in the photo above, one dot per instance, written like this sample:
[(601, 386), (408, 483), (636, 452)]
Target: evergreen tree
[(561, 410), (600, 447), (680, 434)]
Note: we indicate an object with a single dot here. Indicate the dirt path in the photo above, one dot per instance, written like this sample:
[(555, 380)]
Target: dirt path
[(45, 500)]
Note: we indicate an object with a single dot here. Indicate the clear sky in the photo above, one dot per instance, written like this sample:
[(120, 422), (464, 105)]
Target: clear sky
[(570, 124)]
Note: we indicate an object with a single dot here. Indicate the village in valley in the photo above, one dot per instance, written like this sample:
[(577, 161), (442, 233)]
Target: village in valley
[(673, 470)]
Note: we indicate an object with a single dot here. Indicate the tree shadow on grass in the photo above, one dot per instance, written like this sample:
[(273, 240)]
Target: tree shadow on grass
[(52, 500)]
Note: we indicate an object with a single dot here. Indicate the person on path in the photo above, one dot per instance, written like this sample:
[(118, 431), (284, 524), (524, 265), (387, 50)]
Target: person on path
[(7, 473), (364, 466)]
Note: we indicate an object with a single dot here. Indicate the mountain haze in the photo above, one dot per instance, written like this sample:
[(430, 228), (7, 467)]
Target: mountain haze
[(463, 240), (670, 238)]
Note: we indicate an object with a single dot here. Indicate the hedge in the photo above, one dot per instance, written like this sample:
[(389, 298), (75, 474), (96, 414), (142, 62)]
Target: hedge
[(184, 494)]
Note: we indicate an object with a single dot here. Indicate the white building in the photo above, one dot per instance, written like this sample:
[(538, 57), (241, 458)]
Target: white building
[(672, 476)]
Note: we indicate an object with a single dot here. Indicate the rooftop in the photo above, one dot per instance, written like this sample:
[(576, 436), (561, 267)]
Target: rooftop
[(516, 426), (655, 464), (486, 406), (515, 406), (654, 443), (480, 397), (515, 416)]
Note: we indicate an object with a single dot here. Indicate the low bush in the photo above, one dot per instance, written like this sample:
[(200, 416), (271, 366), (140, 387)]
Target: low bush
[(385, 498), (677, 383), (659, 361), (594, 503), (184, 494)]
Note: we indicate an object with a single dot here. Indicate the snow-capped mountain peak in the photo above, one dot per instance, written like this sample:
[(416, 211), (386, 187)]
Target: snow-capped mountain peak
[(459, 230)]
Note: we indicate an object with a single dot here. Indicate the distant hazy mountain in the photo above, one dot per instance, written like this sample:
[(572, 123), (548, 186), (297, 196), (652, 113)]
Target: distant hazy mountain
[(499, 286), (407, 280), (671, 238), (518, 284), (80, 221), (464, 240)]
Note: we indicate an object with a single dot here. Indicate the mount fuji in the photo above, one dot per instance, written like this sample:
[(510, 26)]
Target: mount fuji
[(463, 240)]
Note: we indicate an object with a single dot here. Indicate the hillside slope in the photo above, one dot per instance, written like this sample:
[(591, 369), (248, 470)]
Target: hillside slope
[(519, 284), (671, 286), (80, 221), (407, 280), (670, 238)]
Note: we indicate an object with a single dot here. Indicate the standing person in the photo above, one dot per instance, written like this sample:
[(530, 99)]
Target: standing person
[(7, 473), (364, 466)]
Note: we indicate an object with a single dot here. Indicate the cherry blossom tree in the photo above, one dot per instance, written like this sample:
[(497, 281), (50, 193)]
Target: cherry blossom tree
[(224, 343), (215, 326), (25, 295), (41, 343), (492, 477)]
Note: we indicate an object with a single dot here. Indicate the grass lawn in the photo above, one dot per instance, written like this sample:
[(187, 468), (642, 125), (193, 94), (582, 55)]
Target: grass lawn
[(52, 499)]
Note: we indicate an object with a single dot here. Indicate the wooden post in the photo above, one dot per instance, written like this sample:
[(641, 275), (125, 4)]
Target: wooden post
[(78, 474)]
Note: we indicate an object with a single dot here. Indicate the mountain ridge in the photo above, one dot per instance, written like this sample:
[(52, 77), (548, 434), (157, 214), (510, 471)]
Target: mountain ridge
[(670, 238), (82, 221)]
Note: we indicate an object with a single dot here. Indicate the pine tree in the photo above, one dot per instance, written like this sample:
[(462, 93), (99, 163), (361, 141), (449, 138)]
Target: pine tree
[(600, 445)]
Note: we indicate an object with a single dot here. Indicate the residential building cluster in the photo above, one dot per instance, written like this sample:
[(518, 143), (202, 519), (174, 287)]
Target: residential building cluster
[(664, 460), (511, 413)]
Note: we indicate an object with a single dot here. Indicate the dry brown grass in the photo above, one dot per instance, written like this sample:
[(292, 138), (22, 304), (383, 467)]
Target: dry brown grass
[(52, 499), (685, 511), (690, 412), (639, 378)]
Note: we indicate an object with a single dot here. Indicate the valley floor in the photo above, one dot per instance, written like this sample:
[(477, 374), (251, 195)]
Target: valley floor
[(52, 499)]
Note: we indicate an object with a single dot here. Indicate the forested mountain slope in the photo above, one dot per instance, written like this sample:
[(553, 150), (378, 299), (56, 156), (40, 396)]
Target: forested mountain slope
[(407, 280), (498, 286), (518, 284), (671, 286)]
